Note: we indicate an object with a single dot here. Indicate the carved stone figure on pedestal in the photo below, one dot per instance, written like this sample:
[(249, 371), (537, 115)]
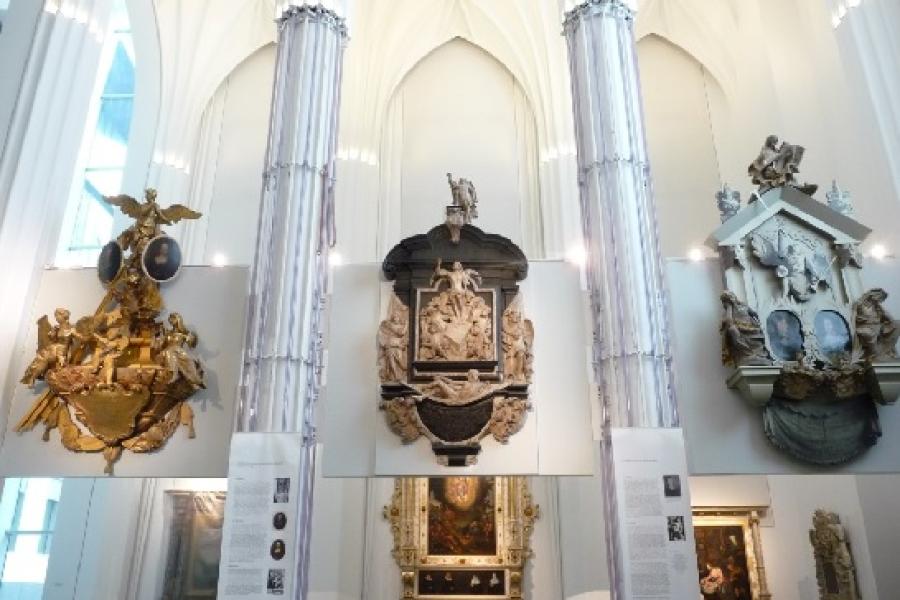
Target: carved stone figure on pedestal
[(835, 572), (743, 341), (464, 209), (876, 331), (393, 341)]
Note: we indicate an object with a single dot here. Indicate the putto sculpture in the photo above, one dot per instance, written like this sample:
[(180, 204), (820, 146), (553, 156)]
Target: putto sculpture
[(803, 339), (455, 349), (119, 379)]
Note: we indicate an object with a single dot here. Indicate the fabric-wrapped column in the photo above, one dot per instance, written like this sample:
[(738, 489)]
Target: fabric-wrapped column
[(632, 360), (283, 350)]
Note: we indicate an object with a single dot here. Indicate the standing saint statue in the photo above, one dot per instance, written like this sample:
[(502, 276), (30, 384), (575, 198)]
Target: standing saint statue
[(464, 197)]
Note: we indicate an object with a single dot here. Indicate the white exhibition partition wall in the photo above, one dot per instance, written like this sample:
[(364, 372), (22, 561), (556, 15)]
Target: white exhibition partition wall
[(723, 433), (557, 436), (212, 301)]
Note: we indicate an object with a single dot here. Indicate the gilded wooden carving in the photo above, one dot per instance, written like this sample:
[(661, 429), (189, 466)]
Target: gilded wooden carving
[(119, 379)]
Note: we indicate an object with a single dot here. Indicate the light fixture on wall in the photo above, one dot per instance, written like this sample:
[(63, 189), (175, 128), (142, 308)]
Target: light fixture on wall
[(335, 259), (577, 255), (695, 254), (219, 259), (878, 252), (843, 7)]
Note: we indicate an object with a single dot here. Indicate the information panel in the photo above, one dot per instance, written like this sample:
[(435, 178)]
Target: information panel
[(654, 514), (258, 538)]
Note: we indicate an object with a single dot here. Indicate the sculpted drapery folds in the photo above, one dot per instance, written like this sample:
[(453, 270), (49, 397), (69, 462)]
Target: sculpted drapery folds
[(743, 341), (119, 379), (518, 339), (876, 330), (393, 341)]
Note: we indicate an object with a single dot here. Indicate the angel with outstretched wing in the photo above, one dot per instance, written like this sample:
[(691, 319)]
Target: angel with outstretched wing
[(818, 269), (148, 217)]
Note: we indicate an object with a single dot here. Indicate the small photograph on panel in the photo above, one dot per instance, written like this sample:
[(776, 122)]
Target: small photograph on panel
[(676, 528), (672, 486), (279, 521), (275, 584), (282, 490)]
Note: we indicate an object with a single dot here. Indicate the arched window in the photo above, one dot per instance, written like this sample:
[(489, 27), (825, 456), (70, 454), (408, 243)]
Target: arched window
[(88, 221)]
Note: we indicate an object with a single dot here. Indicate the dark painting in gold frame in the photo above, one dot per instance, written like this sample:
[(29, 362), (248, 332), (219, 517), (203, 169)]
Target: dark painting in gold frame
[(194, 547), (461, 516)]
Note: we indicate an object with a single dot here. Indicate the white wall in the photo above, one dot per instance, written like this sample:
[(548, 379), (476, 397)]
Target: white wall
[(879, 497)]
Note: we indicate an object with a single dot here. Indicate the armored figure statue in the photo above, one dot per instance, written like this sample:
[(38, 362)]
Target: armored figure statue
[(876, 331), (777, 165), (464, 197), (743, 342)]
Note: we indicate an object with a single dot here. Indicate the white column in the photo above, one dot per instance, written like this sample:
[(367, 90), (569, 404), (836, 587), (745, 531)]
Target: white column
[(867, 36), (283, 351), (632, 360)]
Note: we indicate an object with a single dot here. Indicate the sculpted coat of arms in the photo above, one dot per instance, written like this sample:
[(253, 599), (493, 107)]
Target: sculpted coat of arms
[(455, 349), (119, 379)]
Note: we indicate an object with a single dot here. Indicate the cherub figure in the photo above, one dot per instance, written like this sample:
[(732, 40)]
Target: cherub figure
[(175, 357), (54, 345), (458, 278)]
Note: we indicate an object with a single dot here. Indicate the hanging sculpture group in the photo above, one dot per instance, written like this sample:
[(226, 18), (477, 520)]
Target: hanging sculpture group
[(455, 357), (807, 343), (119, 379)]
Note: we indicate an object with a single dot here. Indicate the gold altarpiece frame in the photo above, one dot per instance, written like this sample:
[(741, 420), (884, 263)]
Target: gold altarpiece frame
[(461, 537), (720, 522)]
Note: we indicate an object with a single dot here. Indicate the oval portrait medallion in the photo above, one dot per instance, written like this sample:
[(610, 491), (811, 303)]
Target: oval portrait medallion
[(109, 263), (161, 260)]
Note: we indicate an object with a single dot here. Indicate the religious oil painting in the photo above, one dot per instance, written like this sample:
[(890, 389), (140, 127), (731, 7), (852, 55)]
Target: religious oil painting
[(833, 334), (785, 335), (461, 516), (194, 546), (722, 561)]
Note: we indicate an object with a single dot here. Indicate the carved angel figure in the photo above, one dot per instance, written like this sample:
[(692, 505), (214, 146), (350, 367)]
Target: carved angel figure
[(175, 357), (776, 165), (801, 273), (54, 345), (743, 341), (464, 196), (393, 339), (148, 217), (518, 339), (876, 330)]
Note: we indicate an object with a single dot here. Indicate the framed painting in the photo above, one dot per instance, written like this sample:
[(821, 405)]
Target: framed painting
[(729, 554), (461, 537), (194, 548)]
